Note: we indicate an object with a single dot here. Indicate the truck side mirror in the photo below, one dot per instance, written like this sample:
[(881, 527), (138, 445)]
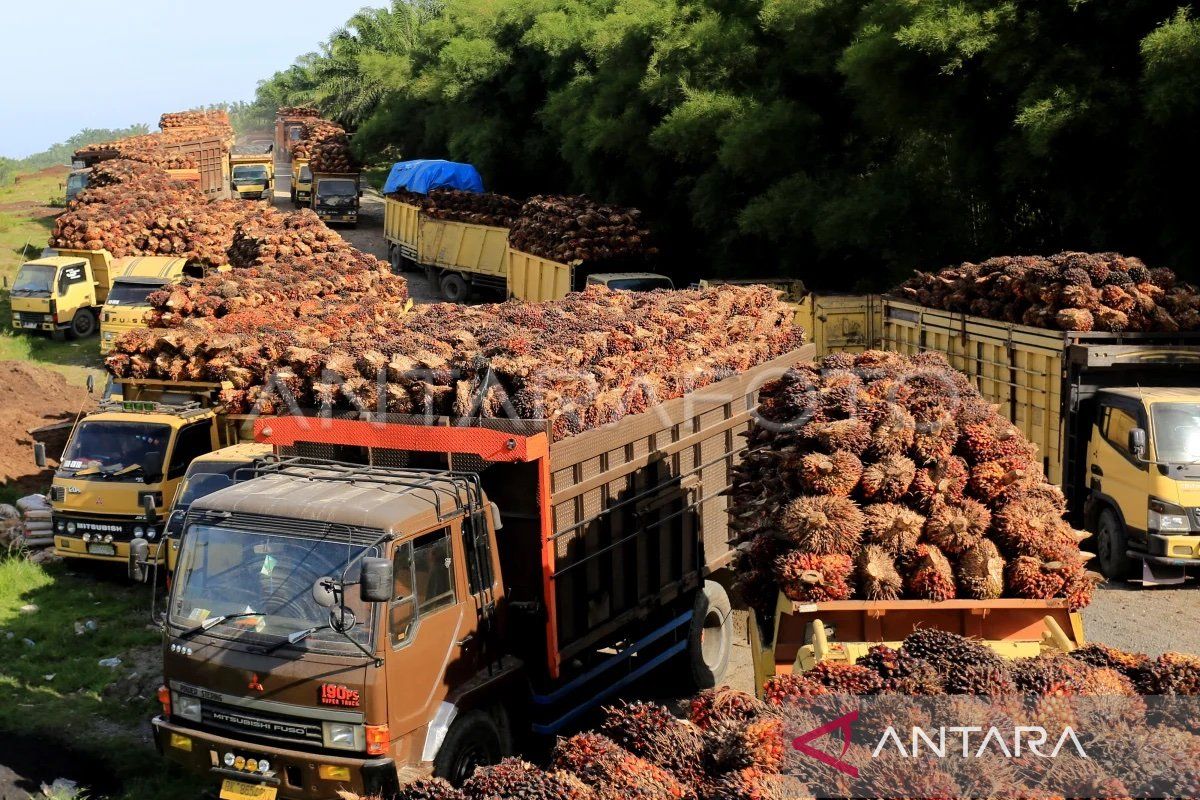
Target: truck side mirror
[(148, 508), (1137, 443), (39, 454), (139, 558), (375, 585), (91, 383)]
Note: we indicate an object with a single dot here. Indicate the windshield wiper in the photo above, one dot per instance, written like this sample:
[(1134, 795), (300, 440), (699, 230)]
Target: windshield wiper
[(295, 637), (215, 621)]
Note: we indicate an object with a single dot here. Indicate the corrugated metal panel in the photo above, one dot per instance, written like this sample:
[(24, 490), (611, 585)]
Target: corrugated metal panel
[(400, 225), (462, 246), (537, 279)]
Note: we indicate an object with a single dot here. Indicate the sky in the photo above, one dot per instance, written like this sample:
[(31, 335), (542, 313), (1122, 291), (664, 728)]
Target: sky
[(74, 64)]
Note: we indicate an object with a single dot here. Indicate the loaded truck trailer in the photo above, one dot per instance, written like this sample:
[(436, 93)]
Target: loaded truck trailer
[(1116, 417), (211, 154), (335, 197), (123, 464), (63, 294), (350, 626)]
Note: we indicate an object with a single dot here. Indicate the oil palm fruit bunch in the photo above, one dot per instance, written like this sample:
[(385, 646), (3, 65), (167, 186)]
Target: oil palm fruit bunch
[(877, 574), (894, 527), (513, 777), (841, 678), (822, 524), (572, 229), (902, 673), (612, 771), (650, 731), (954, 528), (759, 743), (948, 651), (791, 688), (930, 575), (430, 789), (723, 704), (981, 571), (834, 473), (751, 783), (812, 578)]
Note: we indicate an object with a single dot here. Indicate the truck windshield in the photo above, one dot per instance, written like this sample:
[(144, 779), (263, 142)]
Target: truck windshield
[(76, 182), (640, 284), (1177, 432), (337, 190), (250, 173), (223, 571), (104, 448), (34, 279), (305, 174), (131, 293)]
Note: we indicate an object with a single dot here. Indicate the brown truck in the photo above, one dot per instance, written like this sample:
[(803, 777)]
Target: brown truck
[(210, 153), (391, 597)]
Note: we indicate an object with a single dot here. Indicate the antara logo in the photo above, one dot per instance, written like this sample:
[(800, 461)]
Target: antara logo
[(255, 685)]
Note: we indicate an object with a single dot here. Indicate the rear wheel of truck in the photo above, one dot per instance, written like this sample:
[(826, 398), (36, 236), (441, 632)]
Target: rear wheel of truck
[(472, 741), (454, 288), (710, 637), (1111, 545), (83, 324)]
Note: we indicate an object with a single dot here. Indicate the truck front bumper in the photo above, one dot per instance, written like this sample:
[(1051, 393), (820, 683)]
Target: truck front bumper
[(97, 550), (329, 216), (295, 773), (1173, 548)]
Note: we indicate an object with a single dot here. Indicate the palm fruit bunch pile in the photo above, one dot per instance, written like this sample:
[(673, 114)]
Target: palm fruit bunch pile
[(329, 330), (298, 111), (1068, 291), (880, 477), (477, 208), (163, 150), (331, 153), (575, 230), (315, 131), (193, 119)]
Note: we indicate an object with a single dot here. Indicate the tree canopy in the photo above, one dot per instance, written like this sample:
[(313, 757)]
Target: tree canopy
[(845, 143)]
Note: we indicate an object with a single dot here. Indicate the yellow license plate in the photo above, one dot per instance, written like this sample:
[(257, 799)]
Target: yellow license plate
[(240, 790)]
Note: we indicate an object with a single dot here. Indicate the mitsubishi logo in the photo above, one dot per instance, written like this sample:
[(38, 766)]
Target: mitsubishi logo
[(255, 685)]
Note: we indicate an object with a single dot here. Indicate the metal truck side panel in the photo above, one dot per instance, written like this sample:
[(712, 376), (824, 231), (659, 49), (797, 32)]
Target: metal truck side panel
[(401, 223), (538, 279), (462, 246), (844, 323)]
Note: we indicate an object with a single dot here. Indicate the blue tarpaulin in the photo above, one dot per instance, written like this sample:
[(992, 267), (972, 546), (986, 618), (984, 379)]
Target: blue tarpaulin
[(425, 174)]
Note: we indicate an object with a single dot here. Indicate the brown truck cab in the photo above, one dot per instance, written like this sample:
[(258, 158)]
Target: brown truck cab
[(442, 587)]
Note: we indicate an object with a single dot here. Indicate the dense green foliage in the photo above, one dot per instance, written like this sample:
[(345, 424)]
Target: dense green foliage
[(841, 141), (62, 152)]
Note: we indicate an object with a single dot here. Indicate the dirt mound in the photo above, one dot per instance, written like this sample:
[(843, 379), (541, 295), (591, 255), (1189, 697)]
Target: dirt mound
[(58, 170), (33, 397)]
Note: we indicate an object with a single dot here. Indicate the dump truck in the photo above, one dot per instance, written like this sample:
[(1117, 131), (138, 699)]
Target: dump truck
[(252, 173), (302, 183), (211, 153), (62, 294), (335, 197), (123, 464), (77, 181), (127, 306), (395, 596), (1116, 418), (796, 636)]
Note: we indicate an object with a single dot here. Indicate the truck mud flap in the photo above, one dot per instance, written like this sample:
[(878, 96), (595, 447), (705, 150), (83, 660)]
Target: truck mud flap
[(1162, 571)]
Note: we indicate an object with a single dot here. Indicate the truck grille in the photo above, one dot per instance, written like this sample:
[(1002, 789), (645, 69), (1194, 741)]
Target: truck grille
[(58, 494), (269, 726), (29, 316)]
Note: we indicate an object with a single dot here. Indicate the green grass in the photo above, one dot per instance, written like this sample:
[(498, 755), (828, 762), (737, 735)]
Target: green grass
[(55, 688)]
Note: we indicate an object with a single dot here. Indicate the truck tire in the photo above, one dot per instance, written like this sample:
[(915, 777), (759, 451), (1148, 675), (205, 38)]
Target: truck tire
[(710, 638), (395, 259), (83, 324), (473, 741), (454, 288), (1111, 545)]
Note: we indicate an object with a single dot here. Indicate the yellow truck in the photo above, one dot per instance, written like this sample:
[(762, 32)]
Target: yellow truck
[(126, 306), (302, 183), (1116, 417), (252, 174), (62, 294), (124, 463)]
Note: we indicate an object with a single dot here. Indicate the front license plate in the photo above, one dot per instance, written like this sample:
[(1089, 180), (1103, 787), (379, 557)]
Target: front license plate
[(102, 549), (32, 325), (240, 790)]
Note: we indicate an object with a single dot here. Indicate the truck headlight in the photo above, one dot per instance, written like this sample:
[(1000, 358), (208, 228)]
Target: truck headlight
[(340, 735), (62, 526), (1164, 517), (186, 707), (108, 335), (47, 318), (138, 530), (70, 527)]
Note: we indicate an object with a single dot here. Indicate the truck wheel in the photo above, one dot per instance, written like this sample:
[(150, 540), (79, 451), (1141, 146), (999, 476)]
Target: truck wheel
[(83, 324), (454, 288), (1111, 545), (710, 637), (472, 741)]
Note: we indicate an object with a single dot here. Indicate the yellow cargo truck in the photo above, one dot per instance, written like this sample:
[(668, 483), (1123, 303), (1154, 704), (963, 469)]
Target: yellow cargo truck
[(459, 256), (252, 175), (62, 294), (124, 463), (302, 182), (127, 306), (1116, 417)]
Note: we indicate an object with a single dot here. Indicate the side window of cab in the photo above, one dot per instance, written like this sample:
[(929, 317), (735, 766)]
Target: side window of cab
[(422, 583), (1116, 423), (70, 276)]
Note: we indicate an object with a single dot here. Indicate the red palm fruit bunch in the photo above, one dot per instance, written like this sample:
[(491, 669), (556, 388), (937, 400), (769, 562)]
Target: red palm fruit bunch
[(1028, 576), (790, 688), (934, 439), (955, 528), (992, 439), (981, 571), (822, 524), (650, 731), (1175, 674), (894, 527), (852, 435), (429, 789), (760, 743), (930, 576), (754, 784), (1137, 667), (811, 578), (893, 429), (992, 481), (834, 473), (613, 771), (1031, 523), (888, 479), (944, 480), (723, 704), (902, 673), (513, 777), (905, 778), (948, 651), (878, 577), (841, 678)]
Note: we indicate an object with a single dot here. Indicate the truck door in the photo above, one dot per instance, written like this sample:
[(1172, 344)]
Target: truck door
[(430, 628), (1120, 478), (75, 287), (193, 440)]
